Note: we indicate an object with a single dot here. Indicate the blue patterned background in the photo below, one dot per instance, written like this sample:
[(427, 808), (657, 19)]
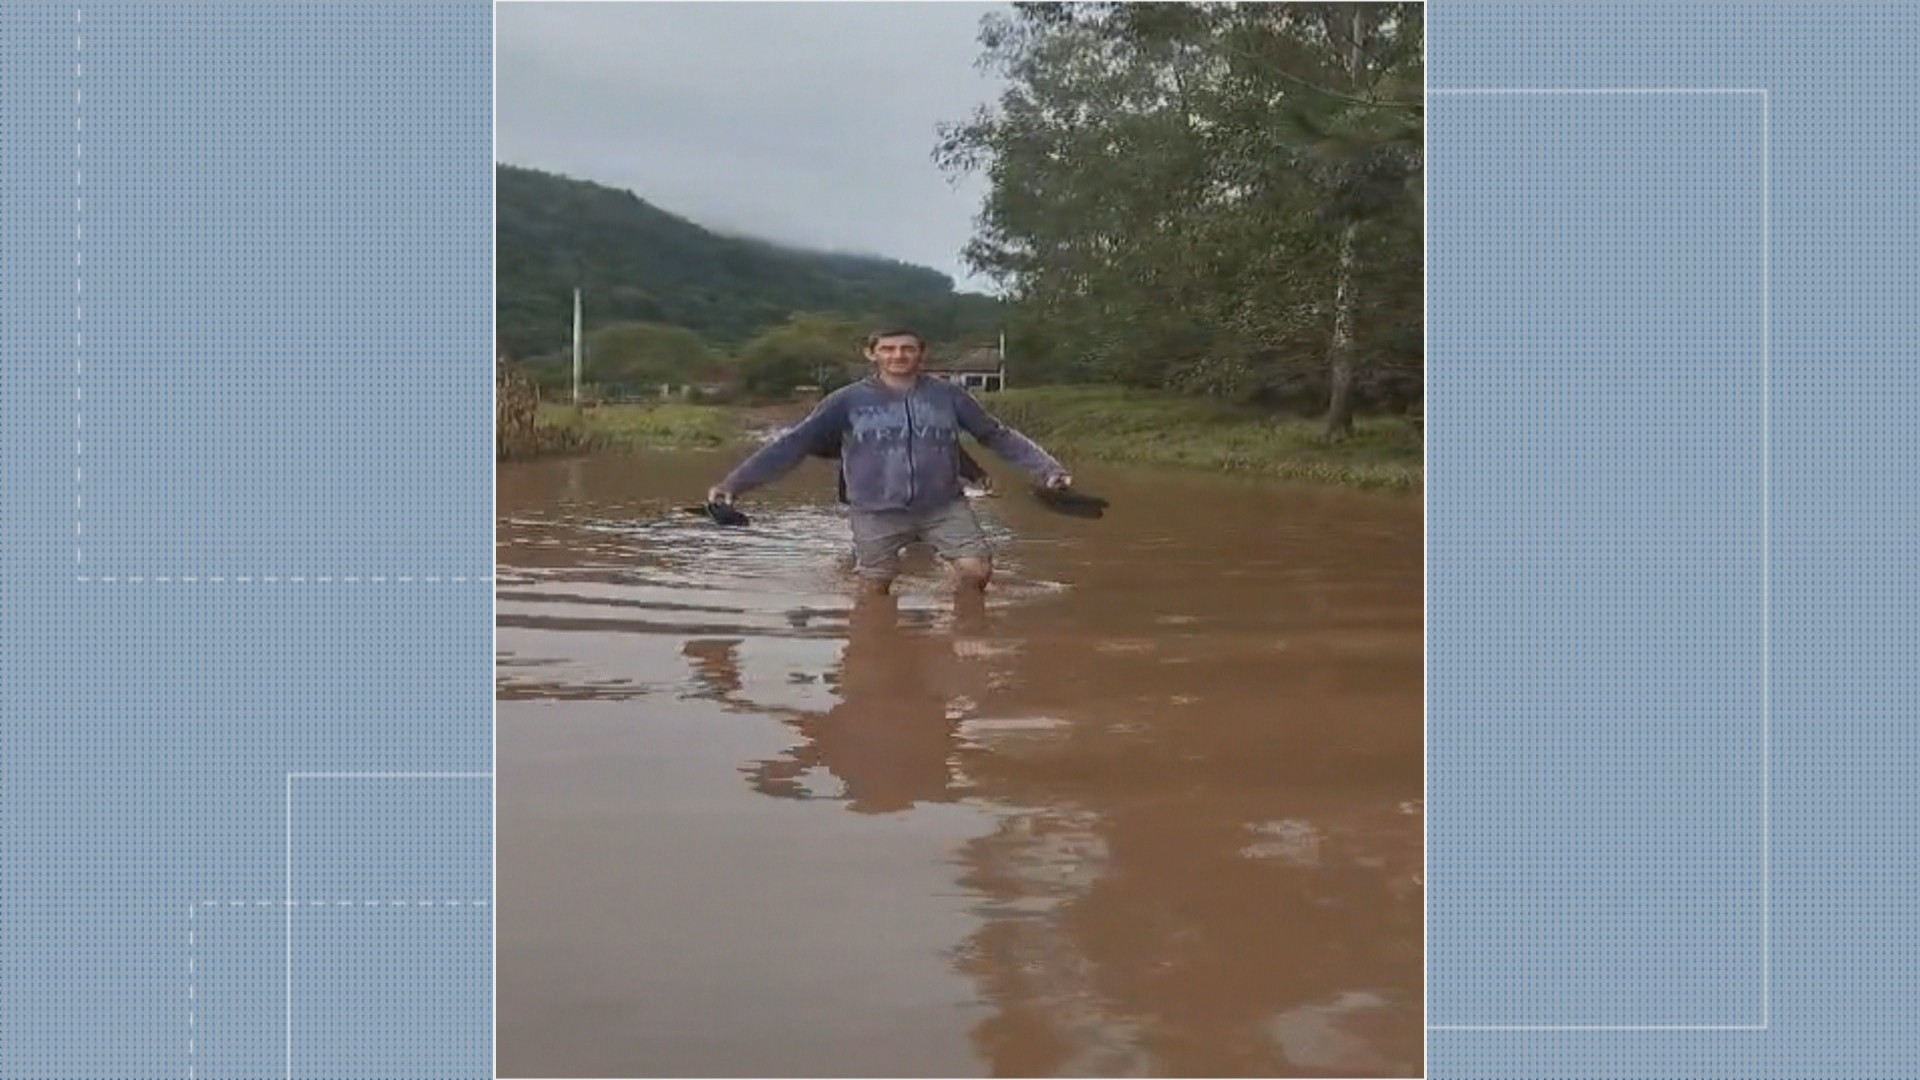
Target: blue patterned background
[(245, 450), (1671, 567), (245, 272)]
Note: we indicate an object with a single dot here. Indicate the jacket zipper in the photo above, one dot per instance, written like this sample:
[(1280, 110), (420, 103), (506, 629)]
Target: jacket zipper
[(910, 487)]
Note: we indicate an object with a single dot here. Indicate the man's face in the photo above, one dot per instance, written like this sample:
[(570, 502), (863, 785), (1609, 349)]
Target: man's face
[(899, 355)]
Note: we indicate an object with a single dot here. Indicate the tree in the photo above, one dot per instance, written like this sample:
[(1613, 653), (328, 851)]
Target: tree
[(1096, 163), (1344, 82), (637, 357), (807, 350), (1193, 195)]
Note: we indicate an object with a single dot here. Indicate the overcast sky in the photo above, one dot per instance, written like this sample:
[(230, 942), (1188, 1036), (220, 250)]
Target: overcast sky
[(807, 123)]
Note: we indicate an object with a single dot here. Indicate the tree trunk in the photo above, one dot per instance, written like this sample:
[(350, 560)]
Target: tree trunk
[(1340, 348)]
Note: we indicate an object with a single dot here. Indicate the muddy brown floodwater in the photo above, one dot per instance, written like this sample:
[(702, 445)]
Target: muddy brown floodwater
[(1158, 814)]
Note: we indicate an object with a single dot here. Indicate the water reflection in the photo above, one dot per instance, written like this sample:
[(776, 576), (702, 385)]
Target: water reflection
[(1163, 823), (716, 666), (1132, 924), (1163, 904), (889, 743)]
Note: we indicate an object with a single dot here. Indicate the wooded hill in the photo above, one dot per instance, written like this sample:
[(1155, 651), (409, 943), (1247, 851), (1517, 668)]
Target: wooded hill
[(638, 263)]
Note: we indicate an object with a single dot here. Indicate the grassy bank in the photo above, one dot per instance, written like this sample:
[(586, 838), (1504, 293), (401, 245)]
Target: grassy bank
[(1078, 423), (1110, 424), (666, 426)]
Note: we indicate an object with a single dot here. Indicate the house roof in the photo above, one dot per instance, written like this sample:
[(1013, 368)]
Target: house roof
[(977, 358)]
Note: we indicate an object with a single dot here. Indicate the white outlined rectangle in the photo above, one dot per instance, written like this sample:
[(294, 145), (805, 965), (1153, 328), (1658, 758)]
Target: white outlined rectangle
[(88, 175), (290, 904), (1766, 579)]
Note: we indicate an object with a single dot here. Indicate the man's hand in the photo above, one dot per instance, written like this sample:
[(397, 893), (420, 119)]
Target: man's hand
[(720, 495), (1060, 481)]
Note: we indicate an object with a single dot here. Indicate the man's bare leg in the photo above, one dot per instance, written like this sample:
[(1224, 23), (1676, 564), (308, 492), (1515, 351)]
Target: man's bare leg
[(972, 575)]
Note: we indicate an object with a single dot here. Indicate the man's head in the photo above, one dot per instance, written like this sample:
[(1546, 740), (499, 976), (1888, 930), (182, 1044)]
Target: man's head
[(896, 351)]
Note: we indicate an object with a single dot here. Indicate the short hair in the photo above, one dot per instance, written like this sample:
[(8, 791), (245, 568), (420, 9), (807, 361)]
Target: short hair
[(874, 338)]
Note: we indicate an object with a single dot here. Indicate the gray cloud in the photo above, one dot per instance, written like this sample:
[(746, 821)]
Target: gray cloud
[(806, 123)]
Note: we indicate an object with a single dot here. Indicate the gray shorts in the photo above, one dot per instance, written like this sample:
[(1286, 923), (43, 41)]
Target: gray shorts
[(878, 536)]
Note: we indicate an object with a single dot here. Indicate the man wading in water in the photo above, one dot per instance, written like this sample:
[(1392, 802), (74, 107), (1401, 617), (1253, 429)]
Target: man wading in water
[(900, 454)]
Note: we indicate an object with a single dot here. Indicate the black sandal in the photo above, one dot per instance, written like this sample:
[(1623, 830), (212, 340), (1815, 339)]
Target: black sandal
[(1070, 502), (721, 513)]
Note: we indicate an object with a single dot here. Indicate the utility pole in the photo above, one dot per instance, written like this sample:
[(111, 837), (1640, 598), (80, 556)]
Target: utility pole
[(1003, 358), (576, 348)]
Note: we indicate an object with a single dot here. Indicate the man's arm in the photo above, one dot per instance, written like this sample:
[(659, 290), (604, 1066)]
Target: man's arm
[(779, 457), (827, 445), (1008, 443)]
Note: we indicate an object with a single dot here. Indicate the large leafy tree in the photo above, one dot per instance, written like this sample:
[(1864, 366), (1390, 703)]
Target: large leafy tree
[(1343, 85), (1214, 197)]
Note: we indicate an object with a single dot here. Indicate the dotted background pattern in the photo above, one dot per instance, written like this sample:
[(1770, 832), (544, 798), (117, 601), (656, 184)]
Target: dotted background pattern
[(245, 556), (1599, 279), (1672, 671)]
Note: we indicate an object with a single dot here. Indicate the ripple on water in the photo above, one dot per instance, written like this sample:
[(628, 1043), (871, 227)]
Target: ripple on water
[(1290, 841), (1109, 843), (584, 589), (1334, 1036)]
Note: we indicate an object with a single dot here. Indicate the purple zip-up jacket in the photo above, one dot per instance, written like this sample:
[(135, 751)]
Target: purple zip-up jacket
[(899, 449)]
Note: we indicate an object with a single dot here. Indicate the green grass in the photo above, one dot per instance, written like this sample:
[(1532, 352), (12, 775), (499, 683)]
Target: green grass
[(665, 426), (1140, 427), (1085, 423)]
